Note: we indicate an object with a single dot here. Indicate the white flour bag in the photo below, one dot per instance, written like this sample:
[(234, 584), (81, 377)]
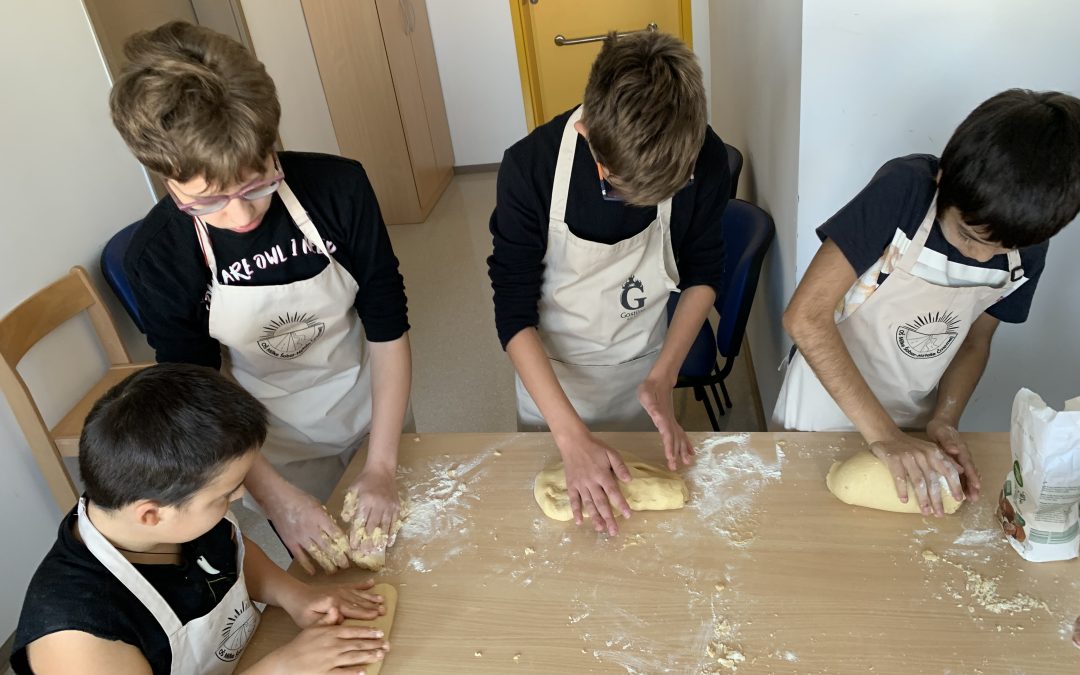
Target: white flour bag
[(1039, 503)]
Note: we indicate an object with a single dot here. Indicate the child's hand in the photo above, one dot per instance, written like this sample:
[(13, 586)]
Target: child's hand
[(371, 502), (593, 471), (945, 435), (923, 464), (330, 605), (321, 650), (307, 530), (656, 398)]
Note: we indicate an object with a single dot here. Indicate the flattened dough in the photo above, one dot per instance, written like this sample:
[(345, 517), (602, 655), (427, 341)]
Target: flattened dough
[(383, 623), (652, 489), (864, 480)]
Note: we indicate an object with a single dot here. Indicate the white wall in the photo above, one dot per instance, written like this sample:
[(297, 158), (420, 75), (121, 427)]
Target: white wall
[(755, 55), (279, 35), (474, 46), (67, 182), (891, 78)]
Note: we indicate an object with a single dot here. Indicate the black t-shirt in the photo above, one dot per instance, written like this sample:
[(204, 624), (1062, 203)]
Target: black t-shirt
[(891, 208), (519, 224), (72, 590), (171, 280)]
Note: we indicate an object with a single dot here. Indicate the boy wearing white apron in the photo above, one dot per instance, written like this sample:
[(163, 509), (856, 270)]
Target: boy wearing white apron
[(275, 267), (150, 572), (894, 317), (600, 215)]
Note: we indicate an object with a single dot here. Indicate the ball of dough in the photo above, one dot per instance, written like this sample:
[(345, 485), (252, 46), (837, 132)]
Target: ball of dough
[(652, 489), (864, 480)]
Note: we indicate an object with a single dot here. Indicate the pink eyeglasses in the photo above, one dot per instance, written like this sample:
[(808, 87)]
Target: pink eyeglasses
[(250, 192)]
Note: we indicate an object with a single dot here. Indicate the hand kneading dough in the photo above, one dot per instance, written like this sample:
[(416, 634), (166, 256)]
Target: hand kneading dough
[(652, 489), (864, 480)]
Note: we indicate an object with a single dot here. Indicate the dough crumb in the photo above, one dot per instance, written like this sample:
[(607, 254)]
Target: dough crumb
[(478, 653), (529, 550), (498, 453), (721, 586), (517, 657)]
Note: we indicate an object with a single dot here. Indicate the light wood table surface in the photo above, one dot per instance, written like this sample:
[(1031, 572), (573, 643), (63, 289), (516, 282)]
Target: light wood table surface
[(763, 561)]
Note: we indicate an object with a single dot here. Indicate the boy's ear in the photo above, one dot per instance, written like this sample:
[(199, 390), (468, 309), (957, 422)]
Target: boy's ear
[(147, 512), (580, 127)]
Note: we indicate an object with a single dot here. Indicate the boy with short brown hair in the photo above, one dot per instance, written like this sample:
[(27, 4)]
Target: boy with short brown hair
[(276, 266), (601, 213)]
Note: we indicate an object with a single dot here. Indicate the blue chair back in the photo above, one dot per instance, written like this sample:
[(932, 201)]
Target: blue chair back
[(112, 268), (748, 232), (734, 160)]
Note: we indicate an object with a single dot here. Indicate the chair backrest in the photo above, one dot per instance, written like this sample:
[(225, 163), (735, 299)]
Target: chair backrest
[(112, 268), (748, 232), (735, 161), (25, 326)]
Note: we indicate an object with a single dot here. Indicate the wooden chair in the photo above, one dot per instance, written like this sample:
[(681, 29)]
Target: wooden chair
[(24, 327)]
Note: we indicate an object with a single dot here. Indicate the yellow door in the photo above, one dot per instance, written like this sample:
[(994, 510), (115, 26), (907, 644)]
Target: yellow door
[(559, 39)]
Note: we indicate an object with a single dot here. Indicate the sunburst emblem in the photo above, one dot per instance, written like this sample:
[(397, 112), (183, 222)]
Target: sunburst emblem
[(928, 335), (289, 336), (237, 632)]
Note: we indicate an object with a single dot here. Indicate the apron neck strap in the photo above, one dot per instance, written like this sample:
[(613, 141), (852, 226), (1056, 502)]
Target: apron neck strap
[(1016, 267), (564, 166), (298, 214), (918, 242), (301, 218), (125, 572)]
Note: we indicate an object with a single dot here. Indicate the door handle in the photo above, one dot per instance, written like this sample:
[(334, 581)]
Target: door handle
[(563, 41)]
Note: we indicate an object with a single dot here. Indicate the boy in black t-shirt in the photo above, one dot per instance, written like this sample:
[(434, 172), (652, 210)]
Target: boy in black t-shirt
[(149, 573), (894, 318), (277, 268), (600, 214)]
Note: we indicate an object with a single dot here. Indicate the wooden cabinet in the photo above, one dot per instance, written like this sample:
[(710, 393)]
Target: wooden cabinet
[(377, 65)]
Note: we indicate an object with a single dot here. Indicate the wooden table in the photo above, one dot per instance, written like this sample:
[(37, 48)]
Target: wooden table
[(763, 562)]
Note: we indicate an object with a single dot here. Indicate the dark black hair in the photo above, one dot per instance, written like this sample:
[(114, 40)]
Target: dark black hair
[(165, 433), (1013, 166)]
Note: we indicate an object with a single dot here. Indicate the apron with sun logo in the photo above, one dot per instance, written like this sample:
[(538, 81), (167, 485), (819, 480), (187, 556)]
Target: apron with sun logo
[(902, 338), (209, 645), (299, 348)]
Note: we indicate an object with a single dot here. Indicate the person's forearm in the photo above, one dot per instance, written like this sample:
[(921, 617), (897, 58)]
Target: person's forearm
[(264, 482), (530, 360), (266, 582), (690, 312), (821, 344), (391, 383), (960, 379)]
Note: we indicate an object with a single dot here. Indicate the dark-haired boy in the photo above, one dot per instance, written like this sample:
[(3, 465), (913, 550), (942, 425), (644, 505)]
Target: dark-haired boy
[(894, 317), (149, 573)]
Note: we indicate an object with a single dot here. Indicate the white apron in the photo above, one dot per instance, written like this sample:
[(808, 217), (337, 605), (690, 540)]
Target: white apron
[(603, 311), (299, 348), (209, 645), (902, 338)]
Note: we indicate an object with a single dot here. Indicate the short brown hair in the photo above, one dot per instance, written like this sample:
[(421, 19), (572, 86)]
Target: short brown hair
[(644, 109), (191, 102)]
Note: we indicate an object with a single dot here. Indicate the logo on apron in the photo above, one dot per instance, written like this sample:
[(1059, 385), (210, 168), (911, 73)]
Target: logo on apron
[(237, 632), (928, 336), (289, 336), (635, 303)]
